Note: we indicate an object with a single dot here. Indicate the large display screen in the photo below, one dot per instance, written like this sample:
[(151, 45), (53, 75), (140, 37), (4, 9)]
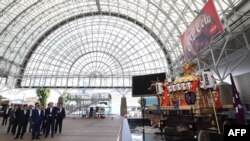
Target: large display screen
[(141, 84)]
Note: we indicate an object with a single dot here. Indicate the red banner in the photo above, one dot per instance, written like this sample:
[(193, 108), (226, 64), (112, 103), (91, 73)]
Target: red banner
[(201, 31)]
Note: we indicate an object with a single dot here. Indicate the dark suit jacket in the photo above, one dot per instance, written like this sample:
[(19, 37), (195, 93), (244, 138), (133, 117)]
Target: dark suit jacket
[(36, 118), (21, 117), (50, 115), (12, 115), (5, 114), (60, 114)]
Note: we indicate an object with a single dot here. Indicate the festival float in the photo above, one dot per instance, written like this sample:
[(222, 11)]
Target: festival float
[(188, 104), (197, 91)]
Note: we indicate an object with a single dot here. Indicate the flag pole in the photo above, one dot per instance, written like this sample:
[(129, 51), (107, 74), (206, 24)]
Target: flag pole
[(215, 113)]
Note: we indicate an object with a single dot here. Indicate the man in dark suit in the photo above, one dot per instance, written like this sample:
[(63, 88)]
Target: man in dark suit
[(43, 126), (59, 118), (22, 119), (50, 115), (37, 117), (30, 108), (15, 123), (12, 118), (6, 114)]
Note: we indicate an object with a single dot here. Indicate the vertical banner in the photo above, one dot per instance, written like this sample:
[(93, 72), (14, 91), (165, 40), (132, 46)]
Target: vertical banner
[(201, 31), (239, 110)]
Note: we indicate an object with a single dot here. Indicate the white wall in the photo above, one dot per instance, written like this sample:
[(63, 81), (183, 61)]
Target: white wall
[(241, 74), (243, 86), (242, 68)]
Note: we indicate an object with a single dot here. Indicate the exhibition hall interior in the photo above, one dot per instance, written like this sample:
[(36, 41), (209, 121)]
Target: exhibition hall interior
[(124, 70)]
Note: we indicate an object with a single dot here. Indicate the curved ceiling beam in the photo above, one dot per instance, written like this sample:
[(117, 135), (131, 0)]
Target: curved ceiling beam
[(96, 52), (7, 6), (81, 70), (17, 16)]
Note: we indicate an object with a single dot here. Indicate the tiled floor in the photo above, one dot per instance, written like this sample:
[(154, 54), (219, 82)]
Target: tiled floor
[(78, 130)]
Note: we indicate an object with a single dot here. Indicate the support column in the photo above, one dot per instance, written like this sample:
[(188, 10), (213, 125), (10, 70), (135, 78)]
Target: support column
[(60, 100), (123, 108)]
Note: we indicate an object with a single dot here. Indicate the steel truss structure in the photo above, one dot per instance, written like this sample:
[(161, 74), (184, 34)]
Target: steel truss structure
[(226, 53), (103, 43)]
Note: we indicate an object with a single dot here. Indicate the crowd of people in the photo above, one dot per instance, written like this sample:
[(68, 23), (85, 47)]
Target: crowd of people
[(39, 120)]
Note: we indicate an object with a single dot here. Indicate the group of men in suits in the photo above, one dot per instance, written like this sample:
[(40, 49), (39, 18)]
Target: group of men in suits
[(19, 116)]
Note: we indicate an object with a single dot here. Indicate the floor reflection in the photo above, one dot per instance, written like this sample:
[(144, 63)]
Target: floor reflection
[(152, 135)]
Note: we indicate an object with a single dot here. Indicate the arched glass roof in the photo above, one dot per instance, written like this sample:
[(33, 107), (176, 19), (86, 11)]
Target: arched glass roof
[(94, 51), (95, 43)]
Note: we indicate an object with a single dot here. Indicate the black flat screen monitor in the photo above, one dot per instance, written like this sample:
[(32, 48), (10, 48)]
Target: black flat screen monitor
[(140, 84)]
